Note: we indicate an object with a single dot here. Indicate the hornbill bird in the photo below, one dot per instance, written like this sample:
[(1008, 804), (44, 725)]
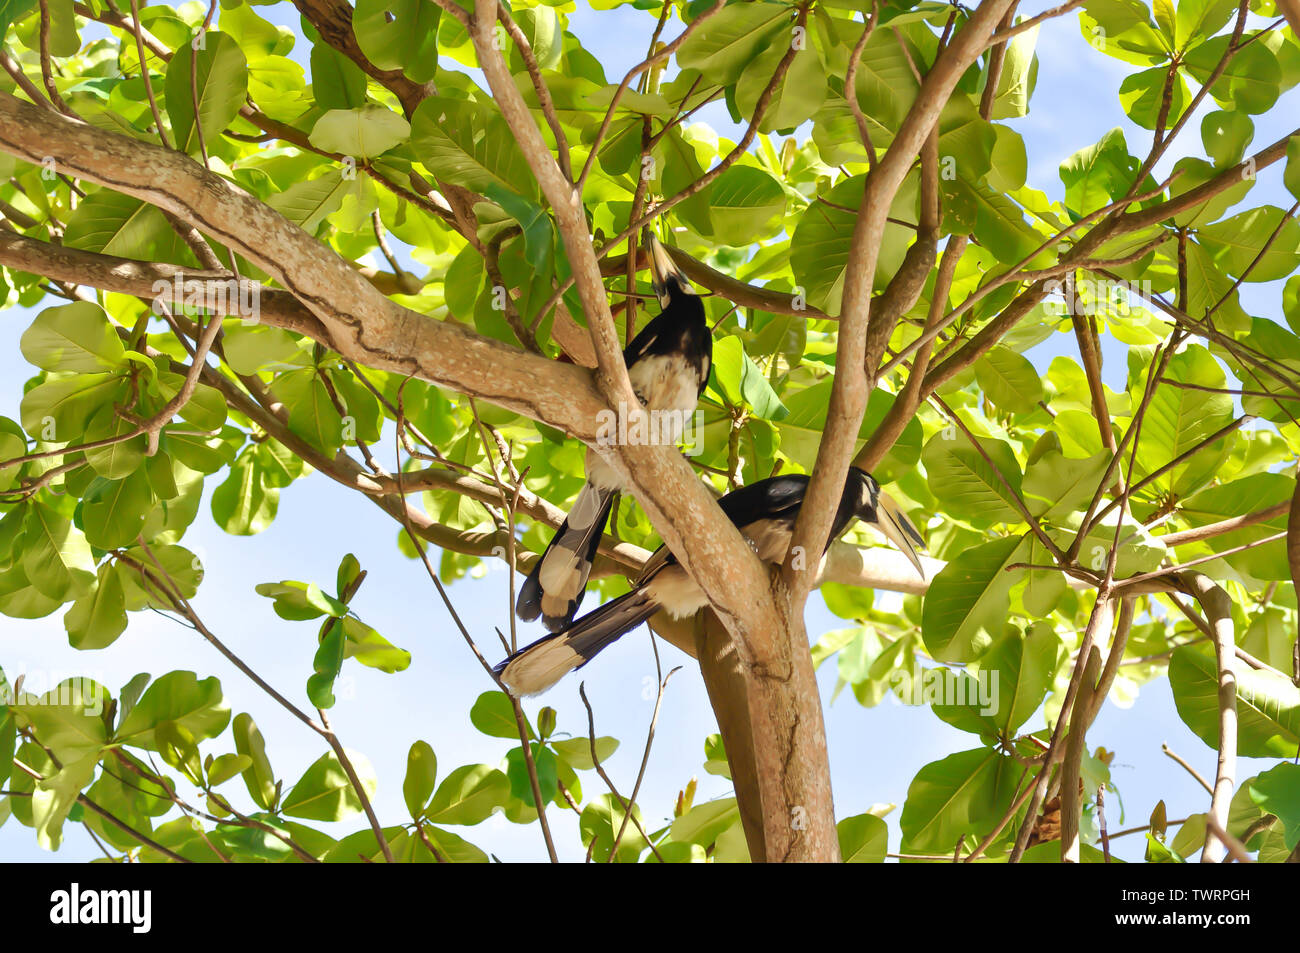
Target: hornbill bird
[(668, 364), (765, 514)]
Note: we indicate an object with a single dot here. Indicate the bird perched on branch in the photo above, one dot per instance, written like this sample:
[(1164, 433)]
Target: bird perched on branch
[(765, 514), (668, 364)]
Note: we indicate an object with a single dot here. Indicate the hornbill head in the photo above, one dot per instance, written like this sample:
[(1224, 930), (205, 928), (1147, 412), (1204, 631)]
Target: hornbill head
[(878, 509), (667, 278)]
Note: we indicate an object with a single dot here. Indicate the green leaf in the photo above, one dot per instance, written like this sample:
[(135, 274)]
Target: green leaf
[(494, 715), (11, 10), (312, 415), (336, 82), (965, 607), (1018, 77), (1277, 791), (179, 698), (258, 776), (703, 823), (452, 847), (116, 460), (1226, 135), (55, 556), (964, 793), (577, 751), (300, 601), (114, 511), (541, 26), (1056, 486), (469, 145), (1237, 244), (744, 204), (421, 773), (326, 664), (309, 203), (468, 795), (1143, 96), (68, 719), (1015, 675), (323, 793), (74, 337), (1268, 706), (246, 502), (1009, 380), (1178, 418), (960, 476), (795, 99), (399, 35), (226, 767), (113, 223), (371, 649), (600, 822), (98, 617), (363, 133), (56, 795), (1097, 174), (732, 39), (1250, 82), (219, 85), (742, 383), (863, 838), (521, 787), (1291, 177)]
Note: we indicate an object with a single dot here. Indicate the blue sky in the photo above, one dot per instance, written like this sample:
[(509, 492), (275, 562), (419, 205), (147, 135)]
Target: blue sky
[(875, 753)]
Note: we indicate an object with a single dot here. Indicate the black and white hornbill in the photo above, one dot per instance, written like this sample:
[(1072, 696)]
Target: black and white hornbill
[(668, 364), (765, 513)]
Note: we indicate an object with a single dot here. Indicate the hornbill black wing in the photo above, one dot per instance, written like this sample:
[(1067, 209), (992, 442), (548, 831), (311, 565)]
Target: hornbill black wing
[(764, 512)]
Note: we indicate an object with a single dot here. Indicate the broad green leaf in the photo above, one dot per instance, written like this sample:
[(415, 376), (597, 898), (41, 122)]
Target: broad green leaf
[(55, 557), (1056, 486), (962, 478), (114, 511), (217, 81), (1009, 380), (468, 795), (258, 776), (965, 607), (577, 751), (962, 794), (98, 617), (470, 145), (1097, 174), (1237, 244), (1277, 791), (1268, 706), (179, 698), (421, 773), (742, 383), (399, 35), (74, 337), (68, 719), (362, 133), (863, 838), (494, 715), (324, 793), (113, 223), (732, 39)]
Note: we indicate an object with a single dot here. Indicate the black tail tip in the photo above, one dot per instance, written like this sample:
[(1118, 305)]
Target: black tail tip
[(528, 605)]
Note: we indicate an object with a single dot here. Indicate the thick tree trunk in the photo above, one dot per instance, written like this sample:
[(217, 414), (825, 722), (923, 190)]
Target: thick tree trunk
[(770, 717)]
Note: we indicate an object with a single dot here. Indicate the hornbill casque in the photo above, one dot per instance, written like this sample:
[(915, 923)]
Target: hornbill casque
[(765, 514), (668, 364)]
